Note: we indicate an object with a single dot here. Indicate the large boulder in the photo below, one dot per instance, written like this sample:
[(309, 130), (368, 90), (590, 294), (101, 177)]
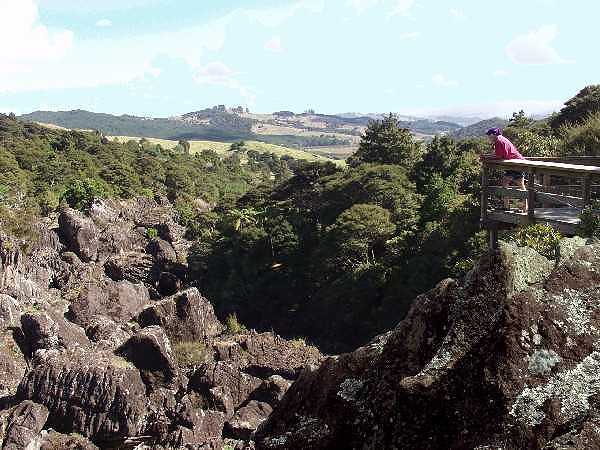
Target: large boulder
[(136, 267), (247, 419), (20, 426), (150, 351), (92, 294), (52, 440), (79, 234), (186, 317), (507, 358), (46, 329), (98, 395), (13, 364)]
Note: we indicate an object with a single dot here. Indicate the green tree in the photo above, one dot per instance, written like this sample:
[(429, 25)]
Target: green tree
[(578, 108), (583, 139), (386, 142), (358, 232)]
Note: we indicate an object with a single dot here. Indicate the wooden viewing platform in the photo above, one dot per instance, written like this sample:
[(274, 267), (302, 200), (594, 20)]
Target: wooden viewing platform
[(557, 191)]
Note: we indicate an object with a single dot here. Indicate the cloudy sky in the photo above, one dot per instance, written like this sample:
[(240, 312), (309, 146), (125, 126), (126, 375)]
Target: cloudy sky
[(167, 57)]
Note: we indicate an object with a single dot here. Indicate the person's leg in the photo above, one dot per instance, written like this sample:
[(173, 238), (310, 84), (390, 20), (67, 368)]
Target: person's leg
[(522, 186)]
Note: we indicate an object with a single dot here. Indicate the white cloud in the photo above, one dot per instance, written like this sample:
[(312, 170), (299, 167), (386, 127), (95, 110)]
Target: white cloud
[(534, 48), (219, 74), (274, 45), (411, 35), (500, 73), (457, 14), (274, 17), (360, 6), (441, 80), (104, 23), (30, 41), (402, 8)]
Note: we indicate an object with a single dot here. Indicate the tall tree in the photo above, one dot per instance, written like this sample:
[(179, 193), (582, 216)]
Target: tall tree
[(387, 142)]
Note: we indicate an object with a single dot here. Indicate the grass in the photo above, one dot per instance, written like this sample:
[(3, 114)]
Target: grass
[(190, 354), (233, 325), (222, 148)]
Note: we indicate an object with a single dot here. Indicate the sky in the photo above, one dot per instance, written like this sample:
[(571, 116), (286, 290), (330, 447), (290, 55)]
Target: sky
[(162, 58)]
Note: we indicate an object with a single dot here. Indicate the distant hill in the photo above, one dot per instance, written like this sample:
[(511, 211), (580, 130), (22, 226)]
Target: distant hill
[(211, 124), (478, 129)]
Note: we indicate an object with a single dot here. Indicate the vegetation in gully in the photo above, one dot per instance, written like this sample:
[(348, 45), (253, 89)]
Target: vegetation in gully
[(307, 248)]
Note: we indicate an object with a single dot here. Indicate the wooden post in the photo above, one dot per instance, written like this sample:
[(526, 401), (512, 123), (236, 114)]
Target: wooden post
[(587, 184), (484, 194), (531, 197), (493, 235), (546, 184)]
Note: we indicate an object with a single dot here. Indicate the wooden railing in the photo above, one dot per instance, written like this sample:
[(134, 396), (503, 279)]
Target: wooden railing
[(566, 182)]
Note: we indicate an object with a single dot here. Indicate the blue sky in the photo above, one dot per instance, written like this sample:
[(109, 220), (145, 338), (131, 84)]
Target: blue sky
[(420, 57)]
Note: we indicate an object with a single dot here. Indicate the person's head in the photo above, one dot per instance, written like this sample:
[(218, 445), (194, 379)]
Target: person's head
[(493, 134)]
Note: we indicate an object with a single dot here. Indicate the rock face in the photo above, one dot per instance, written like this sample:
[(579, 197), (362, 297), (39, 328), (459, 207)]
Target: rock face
[(507, 358)]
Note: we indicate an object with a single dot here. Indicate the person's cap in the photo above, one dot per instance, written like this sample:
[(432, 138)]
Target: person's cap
[(494, 131)]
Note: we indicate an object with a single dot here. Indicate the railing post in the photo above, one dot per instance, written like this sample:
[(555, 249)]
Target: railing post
[(531, 197), (587, 184), (484, 193), (546, 184)]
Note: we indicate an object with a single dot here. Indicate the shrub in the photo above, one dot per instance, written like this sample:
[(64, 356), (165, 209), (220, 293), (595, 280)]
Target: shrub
[(233, 325), (540, 237), (80, 194), (190, 354), (151, 233), (589, 224), (583, 139)]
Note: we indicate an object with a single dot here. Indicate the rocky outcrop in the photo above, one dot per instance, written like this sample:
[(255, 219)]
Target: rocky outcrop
[(186, 317), (507, 358), (52, 440)]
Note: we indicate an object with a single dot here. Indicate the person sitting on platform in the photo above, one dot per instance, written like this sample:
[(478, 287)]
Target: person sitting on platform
[(504, 149)]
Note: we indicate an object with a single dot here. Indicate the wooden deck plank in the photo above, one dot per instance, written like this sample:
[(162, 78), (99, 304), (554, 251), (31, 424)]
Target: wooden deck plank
[(563, 219)]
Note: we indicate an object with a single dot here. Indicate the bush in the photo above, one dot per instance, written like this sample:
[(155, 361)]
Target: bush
[(233, 325), (151, 233), (589, 224), (540, 237), (190, 354), (80, 194), (583, 139)]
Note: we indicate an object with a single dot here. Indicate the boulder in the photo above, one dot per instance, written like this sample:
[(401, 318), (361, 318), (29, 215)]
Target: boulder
[(96, 394), (94, 294), (236, 384), (79, 234), (52, 440), (135, 267), (185, 317), (150, 351), (271, 390), (162, 251), (46, 329), (13, 364), (21, 426), (106, 333), (247, 419)]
